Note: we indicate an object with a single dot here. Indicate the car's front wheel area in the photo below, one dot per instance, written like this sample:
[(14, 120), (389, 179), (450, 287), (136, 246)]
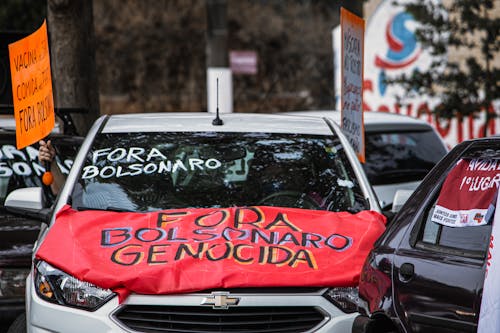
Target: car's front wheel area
[(374, 324), (19, 324)]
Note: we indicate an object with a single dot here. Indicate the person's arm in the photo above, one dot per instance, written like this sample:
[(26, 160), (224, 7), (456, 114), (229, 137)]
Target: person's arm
[(47, 153)]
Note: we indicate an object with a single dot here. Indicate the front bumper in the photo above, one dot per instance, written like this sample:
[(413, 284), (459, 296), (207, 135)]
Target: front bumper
[(44, 317)]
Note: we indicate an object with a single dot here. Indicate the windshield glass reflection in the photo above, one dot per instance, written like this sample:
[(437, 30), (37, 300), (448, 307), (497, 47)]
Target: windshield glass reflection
[(153, 171)]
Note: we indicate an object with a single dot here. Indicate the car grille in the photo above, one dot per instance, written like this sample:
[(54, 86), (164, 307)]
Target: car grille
[(186, 319)]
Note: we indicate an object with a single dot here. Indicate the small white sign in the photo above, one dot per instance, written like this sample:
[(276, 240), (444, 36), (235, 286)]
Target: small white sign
[(220, 89)]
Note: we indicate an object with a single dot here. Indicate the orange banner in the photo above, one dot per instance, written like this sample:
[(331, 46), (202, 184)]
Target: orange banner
[(32, 87)]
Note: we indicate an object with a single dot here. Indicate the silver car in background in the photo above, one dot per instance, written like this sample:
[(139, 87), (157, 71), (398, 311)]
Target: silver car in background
[(400, 151)]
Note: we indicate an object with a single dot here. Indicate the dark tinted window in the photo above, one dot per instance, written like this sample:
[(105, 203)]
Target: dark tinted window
[(151, 171), (398, 157), (21, 168), (474, 239)]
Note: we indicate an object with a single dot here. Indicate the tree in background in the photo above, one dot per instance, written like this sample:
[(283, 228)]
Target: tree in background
[(72, 55), (18, 18), (22, 15), (467, 85), (150, 55), (71, 38), (293, 43)]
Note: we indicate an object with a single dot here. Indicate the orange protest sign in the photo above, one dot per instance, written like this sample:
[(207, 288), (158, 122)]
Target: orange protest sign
[(32, 87)]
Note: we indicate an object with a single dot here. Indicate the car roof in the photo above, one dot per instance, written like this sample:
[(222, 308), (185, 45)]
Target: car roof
[(202, 121), (374, 121), (8, 123)]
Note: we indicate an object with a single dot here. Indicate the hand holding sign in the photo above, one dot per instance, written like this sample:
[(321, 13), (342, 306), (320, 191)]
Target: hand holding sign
[(53, 175), (46, 155)]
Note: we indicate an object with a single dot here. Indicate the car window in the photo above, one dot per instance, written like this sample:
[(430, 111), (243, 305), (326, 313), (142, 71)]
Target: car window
[(474, 239), (152, 171), (461, 215), (21, 168), (398, 157)]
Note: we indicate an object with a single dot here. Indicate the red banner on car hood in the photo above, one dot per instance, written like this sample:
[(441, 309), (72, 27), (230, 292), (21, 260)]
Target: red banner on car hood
[(177, 251), (466, 198)]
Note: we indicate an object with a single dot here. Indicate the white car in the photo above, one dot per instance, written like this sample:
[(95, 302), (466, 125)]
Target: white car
[(400, 151), (163, 225)]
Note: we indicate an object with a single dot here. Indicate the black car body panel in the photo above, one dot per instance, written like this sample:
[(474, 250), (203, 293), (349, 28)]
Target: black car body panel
[(420, 287)]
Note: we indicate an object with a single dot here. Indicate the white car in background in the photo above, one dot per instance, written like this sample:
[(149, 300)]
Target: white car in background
[(400, 151)]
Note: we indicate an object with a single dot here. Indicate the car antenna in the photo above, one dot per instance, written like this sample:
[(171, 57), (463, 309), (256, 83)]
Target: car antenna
[(217, 121)]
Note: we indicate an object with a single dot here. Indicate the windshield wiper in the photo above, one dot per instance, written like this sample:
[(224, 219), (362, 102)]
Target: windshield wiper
[(107, 209)]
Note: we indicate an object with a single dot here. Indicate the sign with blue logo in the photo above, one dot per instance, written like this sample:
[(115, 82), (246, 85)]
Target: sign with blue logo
[(392, 49)]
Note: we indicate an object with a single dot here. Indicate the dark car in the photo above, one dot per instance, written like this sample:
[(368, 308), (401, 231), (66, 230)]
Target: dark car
[(427, 276), (19, 169)]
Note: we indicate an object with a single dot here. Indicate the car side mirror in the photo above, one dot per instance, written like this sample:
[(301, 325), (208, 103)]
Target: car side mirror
[(400, 197), (28, 202)]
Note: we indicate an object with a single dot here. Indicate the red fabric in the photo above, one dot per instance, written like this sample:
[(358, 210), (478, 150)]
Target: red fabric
[(149, 253), (374, 286), (467, 193)]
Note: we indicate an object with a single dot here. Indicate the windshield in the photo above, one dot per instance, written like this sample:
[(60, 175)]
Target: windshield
[(153, 171), (401, 157)]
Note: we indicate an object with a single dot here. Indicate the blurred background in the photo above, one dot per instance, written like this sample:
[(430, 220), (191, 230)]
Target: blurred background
[(115, 56)]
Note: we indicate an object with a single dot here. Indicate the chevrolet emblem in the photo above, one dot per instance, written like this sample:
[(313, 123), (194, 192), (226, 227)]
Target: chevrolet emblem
[(220, 300)]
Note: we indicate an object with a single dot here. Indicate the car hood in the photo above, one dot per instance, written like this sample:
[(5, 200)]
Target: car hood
[(187, 250)]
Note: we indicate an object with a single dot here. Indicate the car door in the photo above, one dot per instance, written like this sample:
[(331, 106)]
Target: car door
[(438, 272), (436, 284)]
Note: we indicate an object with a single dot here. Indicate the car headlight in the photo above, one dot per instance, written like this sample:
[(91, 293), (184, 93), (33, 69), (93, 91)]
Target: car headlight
[(13, 282), (55, 286), (346, 298)]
